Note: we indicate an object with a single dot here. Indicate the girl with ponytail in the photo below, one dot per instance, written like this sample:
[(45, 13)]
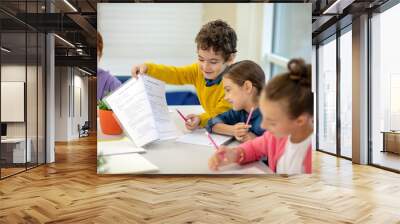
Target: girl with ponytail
[(286, 105)]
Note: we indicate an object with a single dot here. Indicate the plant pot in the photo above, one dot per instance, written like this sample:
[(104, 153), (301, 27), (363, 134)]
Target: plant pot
[(108, 124)]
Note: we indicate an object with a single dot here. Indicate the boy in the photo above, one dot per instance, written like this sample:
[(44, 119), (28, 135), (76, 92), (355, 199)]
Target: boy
[(216, 48)]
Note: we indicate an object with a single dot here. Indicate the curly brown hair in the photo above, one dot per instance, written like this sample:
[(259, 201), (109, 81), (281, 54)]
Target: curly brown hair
[(219, 36)]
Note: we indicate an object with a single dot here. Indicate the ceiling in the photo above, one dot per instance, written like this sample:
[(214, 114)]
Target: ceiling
[(329, 16), (76, 22)]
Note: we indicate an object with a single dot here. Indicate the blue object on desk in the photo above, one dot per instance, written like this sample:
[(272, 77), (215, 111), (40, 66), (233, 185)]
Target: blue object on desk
[(182, 98), (173, 98)]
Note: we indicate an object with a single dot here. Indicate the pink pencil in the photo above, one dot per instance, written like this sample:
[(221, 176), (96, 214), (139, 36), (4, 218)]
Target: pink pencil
[(182, 116), (211, 140), (249, 117), (221, 156)]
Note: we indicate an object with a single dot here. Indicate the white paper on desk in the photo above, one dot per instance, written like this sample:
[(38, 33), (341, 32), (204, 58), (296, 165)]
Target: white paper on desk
[(199, 137), (114, 147), (141, 108), (132, 163), (238, 169)]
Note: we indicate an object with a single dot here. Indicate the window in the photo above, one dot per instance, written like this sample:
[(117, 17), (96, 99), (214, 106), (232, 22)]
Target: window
[(22, 76), (385, 88), (288, 21), (327, 96), (346, 94)]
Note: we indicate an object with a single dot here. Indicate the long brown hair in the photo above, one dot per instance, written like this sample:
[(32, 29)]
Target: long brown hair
[(246, 70), (99, 45), (294, 87)]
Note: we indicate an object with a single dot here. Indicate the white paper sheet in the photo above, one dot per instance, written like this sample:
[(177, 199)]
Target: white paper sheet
[(114, 147), (132, 163), (238, 169), (156, 95), (198, 137), (141, 107)]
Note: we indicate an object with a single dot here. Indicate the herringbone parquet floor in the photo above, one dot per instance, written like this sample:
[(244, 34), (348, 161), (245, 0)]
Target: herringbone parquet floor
[(70, 191)]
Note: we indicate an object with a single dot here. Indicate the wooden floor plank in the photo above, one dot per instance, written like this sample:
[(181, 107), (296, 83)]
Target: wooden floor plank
[(70, 191)]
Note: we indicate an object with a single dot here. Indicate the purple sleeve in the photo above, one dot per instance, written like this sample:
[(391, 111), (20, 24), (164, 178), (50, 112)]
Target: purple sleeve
[(106, 83), (114, 83)]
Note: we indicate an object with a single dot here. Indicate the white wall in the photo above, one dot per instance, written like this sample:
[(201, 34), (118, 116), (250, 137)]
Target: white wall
[(69, 85), (134, 33), (249, 28), (61, 103), (167, 35), (14, 73)]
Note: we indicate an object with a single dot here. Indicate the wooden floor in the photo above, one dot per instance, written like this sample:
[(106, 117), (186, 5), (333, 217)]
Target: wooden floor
[(70, 191), (387, 159), (10, 171)]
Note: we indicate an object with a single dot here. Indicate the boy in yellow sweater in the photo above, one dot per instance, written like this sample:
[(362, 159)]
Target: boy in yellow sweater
[(216, 48)]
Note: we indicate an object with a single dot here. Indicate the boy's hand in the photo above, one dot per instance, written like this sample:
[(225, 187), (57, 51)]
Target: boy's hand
[(138, 69), (222, 157), (240, 130), (193, 121)]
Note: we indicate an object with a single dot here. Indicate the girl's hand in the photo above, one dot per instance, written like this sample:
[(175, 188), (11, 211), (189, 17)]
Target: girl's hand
[(240, 130), (222, 157), (249, 136), (193, 121), (138, 69)]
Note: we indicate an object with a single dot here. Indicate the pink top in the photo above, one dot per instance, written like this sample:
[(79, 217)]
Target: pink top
[(273, 148)]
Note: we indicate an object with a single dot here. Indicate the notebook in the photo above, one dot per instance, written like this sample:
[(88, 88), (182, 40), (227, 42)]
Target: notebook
[(122, 146), (132, 163), (199, 137), (141, 108)]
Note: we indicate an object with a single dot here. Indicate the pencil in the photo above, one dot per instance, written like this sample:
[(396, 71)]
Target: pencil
[(182, 116), (221, 156), (249, 117)]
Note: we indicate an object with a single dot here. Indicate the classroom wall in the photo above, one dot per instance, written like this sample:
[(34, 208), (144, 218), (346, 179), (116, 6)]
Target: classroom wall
[(71, 102), (249, 28), (214, 11), (246, 20), (168, 38), (172, 29)]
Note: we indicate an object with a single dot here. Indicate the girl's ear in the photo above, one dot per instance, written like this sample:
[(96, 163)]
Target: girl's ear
[(248, 86), (303, 119)]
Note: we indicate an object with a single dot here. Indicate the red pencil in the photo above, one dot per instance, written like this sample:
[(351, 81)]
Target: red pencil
[(182, 116)]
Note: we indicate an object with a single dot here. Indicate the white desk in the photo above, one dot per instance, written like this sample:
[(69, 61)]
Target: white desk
[(18, 151), (179, 158)]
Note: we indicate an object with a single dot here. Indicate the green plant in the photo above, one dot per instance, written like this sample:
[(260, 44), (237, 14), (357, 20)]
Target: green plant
[(102, 105)]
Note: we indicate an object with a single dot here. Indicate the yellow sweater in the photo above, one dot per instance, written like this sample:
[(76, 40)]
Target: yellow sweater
[(211, 98)]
